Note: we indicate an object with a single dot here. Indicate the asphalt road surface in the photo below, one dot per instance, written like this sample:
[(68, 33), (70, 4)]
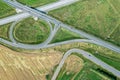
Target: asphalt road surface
[(88, 56), (58, 24), (46, 8), (52, 20)]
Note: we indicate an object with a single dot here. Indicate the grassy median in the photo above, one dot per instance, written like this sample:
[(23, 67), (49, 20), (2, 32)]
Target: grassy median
[(97, 17), (4, 31), (31, 31), (64, 35)]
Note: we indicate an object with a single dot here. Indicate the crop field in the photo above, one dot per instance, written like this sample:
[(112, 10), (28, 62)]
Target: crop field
[(5, 10), (20, 66), (35, 3), (64, 35), (97, 17), (72, 65), (100, 52), (10, 59), (31, 31)]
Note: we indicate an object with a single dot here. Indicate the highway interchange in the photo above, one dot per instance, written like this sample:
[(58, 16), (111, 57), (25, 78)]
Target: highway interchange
[(54, 21), (90, 38)]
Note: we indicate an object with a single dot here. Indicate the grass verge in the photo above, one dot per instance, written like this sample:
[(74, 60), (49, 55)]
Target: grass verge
[(4, 31), (31, 31), (64, 35), (86, 15)]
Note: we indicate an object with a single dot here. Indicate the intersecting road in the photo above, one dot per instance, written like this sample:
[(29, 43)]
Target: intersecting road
[(92, 39)]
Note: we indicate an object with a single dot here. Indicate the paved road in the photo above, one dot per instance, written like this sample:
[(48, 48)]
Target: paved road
[(28, 46), (88, 56), (52, 20), (53, 32), (72, 41), (91, 37), (85, 54), (45, 8), (40, 46), (11, 31)]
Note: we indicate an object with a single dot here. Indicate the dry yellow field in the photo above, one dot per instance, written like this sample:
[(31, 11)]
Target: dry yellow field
[(21, 66), (74, 63)]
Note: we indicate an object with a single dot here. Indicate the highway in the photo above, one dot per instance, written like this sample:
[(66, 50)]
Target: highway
[(52, 20), (91, 39), (89, 57), (46, 8), (40, 46)]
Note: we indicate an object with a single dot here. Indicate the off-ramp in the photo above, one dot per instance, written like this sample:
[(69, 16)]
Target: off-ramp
[(91, 39), (88, 56), (57, 22)]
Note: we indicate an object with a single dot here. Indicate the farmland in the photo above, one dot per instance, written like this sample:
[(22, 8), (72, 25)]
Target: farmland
[(21, 66), (97, 17), (86, 65), (83, 70), (72, 65), (34, 49)]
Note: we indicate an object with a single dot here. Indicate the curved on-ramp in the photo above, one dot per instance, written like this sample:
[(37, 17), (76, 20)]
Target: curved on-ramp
[(38, 46), (88, 56), (51, 35), (55, 21)]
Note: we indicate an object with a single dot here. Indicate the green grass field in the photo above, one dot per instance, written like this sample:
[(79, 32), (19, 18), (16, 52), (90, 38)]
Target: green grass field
[(64, 35), (113, 61), (88, 72), (35, 3), (30, 31), (97, 17), (104, 54), (5, 10), (4, 31)]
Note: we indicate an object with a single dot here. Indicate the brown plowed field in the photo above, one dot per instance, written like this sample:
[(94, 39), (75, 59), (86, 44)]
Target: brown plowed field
[(21, 66)]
